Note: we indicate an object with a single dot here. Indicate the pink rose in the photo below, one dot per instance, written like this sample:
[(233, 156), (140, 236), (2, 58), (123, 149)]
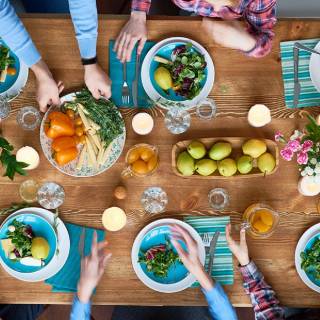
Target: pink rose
[(279, 137), (302, 158), (307, 146), (294, 145), (286, 154)]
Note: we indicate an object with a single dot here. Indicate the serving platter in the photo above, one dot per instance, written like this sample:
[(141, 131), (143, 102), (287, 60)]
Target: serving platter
[(148, 67), (314, 67), (184, 281), (236, 143), (62, 253), (70, 169)]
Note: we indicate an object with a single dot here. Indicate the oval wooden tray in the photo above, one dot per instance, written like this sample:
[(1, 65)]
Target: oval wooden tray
[(236, 143)]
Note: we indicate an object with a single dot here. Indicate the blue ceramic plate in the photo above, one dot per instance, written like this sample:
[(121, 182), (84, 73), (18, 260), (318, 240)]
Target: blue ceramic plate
[(41, 228), (10, 80), (165, 52), (157, 236)]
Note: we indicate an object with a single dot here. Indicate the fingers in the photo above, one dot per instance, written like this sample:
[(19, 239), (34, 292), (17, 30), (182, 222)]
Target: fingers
[(125, 48), (191, 244), (120, 46), (96, 93), (128, 51), (141, 45), (60, 86), (243, 240), (117, 43), (94, 246), (177, 245), (43, 105)]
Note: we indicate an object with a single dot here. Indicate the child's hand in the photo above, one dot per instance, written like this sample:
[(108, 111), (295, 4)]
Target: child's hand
[(229, 34), (240, 250)]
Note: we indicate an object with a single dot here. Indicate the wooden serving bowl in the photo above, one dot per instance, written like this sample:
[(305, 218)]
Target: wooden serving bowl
[(236, 143)]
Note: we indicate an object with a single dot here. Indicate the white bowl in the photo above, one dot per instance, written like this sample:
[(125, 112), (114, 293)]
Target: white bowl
[(314, 67)]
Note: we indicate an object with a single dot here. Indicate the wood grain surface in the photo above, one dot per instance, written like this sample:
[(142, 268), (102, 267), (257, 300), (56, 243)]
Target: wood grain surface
[(240, 82)]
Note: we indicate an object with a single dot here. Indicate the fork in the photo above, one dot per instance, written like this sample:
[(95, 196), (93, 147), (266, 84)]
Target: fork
[(125, 87), (81, 243), (206, 239)]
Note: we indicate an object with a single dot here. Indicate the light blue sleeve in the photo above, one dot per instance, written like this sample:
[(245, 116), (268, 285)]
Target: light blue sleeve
[(80, 311), (85, 20), (16, 36), (219, 305)]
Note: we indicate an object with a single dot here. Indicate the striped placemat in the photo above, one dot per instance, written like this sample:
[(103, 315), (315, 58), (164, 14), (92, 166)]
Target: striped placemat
[(309, 96), (222, 270)]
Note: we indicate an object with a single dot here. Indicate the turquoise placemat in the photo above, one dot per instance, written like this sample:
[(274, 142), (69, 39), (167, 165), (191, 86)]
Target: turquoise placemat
[(116, 76), (309, 96), (222, 270), (66, 279)]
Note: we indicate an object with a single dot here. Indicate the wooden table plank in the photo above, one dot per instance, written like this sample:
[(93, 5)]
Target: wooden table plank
[(240, 83)]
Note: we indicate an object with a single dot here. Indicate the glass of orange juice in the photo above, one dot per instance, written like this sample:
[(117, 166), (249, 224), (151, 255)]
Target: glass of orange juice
[(262, 219), (141, 160)]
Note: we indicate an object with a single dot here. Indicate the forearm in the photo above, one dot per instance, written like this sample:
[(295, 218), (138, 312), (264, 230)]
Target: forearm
[(85, 20), (41, 70), (141, 5), (80, 310), (263, 298), (16, 36)]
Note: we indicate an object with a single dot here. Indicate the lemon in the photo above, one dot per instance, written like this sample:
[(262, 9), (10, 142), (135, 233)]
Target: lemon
[(163, 78), (40, 248)]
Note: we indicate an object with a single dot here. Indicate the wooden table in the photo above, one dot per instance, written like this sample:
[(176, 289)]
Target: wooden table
[(240, 82)]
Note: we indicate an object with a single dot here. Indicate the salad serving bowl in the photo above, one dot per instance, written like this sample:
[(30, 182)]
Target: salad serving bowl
[(40, 228), (152, 236)]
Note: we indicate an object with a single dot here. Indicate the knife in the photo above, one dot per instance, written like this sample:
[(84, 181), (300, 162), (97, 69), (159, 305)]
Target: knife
[(136, 82), (297, 86), (213, 245), (302, 47)]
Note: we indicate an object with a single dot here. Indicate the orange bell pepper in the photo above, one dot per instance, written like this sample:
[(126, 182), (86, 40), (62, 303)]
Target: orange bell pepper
[(65, 156), (59, 125), (63, 143)]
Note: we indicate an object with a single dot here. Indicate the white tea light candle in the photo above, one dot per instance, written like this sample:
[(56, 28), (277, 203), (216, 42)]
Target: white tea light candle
[(114, 219), (259, 115), (308, 186), (29, 156), (142, 123)]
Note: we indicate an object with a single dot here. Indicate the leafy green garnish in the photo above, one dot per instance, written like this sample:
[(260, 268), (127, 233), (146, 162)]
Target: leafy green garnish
[(5, 60), (14, 207), (9, 161), (311, 260)]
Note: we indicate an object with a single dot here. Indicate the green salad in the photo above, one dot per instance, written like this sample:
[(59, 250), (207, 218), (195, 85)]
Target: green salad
[(311, 260), (159, 259), (5, 59)]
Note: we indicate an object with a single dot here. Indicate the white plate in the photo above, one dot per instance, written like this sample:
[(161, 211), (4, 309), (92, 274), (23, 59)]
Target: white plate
[(166, 288), (310, 233), (70, 168), (314, 68), (57, 261), (152, 92)]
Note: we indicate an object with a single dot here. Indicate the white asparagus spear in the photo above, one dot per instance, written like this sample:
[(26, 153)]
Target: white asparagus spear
[(91, 152), (81, 158), (95, 148), (4, 72)]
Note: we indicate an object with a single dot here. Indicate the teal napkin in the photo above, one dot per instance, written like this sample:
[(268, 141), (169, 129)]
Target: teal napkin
[(67, 278), (309, 96), (116, 75), (222, 270)]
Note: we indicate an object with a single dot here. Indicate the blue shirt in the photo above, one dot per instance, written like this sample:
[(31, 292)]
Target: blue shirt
[(219, 306), (85, 19)]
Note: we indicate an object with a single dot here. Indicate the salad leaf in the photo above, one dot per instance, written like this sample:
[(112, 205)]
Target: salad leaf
[(4, 59), (311, 260)]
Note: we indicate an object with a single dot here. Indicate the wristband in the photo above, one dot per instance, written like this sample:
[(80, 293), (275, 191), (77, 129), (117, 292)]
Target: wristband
[(86, 62)]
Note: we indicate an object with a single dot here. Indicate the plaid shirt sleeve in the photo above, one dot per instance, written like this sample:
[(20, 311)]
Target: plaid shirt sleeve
[(261, 17), (141, 5), (265, 304)]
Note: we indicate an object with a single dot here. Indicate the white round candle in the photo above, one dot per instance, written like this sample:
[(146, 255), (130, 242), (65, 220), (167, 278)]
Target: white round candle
[(142, 123), (259, 115), (29, 156), (308, 186), (114, 219)]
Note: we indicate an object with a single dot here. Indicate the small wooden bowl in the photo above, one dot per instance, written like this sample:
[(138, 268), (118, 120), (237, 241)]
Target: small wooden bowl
[(236, 143)]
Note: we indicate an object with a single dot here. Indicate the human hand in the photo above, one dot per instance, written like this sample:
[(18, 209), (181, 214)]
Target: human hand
[(190, 258), (231, 34), (134, 31), (92, 269), (240, 250), (97, 81), (47, 89)]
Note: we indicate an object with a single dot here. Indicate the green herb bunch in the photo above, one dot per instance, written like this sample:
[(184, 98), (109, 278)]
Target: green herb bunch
[(311, 260)]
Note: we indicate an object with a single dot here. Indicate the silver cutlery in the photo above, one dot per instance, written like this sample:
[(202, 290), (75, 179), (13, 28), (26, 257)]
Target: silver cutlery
[(213, 245), (135, 82), (206, 239), (302, 47), (82, 243), (297, 85), (125, 87)]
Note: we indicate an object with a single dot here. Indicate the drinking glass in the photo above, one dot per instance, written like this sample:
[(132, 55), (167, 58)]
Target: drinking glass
[(218, 198), (177, 120), (51, 195), (154, 200), (28, 190), (4, 108), (28, 118), (206, 109)]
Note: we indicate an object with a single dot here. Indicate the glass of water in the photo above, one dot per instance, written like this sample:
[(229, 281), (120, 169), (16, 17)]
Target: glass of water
[(177, 120), (50, 195), (4, 108), (28, 118), (154, 200), (206, 109), (218, 198)]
